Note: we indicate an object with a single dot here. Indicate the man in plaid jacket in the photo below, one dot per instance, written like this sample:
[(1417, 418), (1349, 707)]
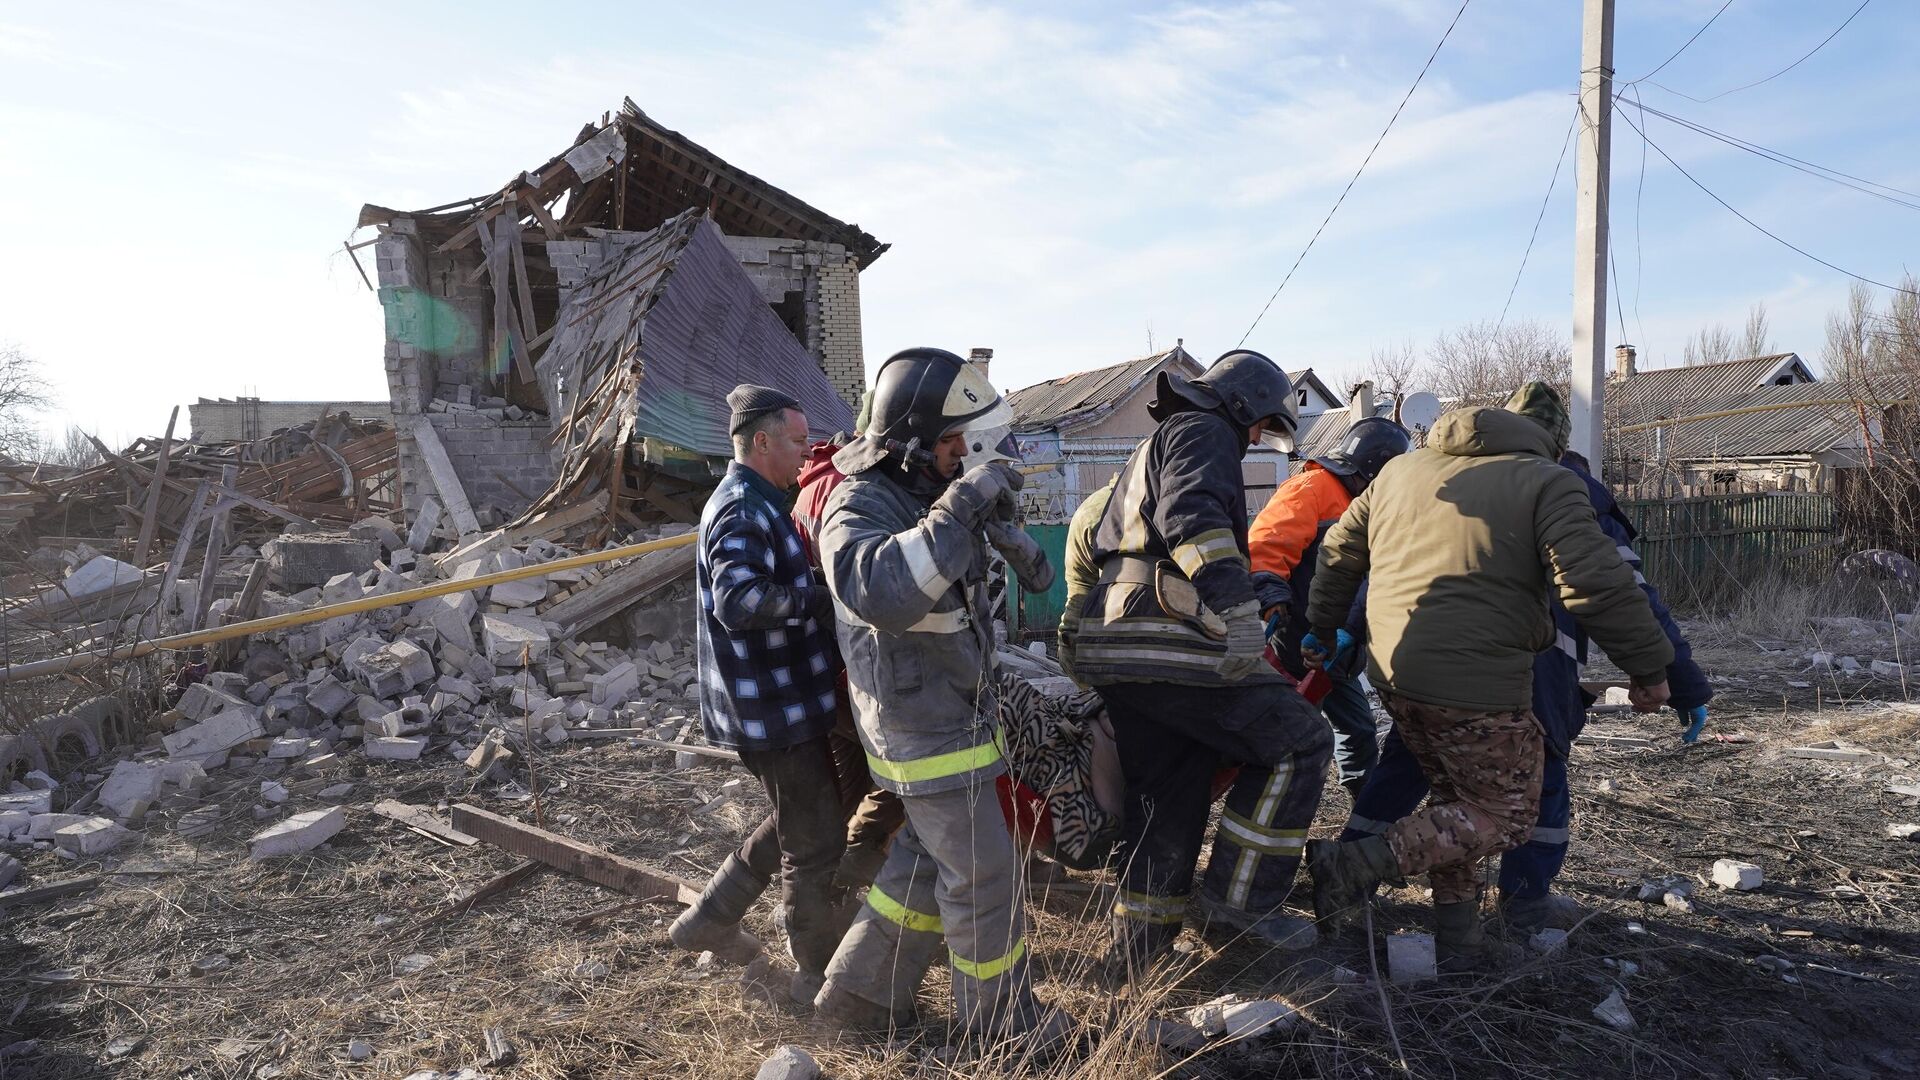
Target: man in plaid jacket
[(767, 690)]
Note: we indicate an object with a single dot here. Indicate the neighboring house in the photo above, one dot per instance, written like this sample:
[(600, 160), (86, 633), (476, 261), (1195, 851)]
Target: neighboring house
[(1766, 423), (1311, 395), (1088, 423)]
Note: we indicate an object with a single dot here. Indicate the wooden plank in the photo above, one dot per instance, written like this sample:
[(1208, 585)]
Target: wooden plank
[(571, 856), (181, 545), (244, 609), (424, 820), (55, 891), (633, 734), (216, 547), (150, 518), (227, 492), (520, 872), (440, 467)]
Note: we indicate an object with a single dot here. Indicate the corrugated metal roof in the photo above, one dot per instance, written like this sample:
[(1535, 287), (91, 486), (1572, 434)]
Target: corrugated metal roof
[(1078, 398), (1663, 387), (663, 329), (1812, 427)]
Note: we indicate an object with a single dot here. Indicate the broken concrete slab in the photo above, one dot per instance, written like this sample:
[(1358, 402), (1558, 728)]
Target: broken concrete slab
[(200, 701), (616, 685), (512, 640), (215, 734), (95, 576), (43, 826), (9, 870), (130, 788), (1613, 1012), (1237, 1018), (451, 617), (1887, 669), (392, 669), (298, 834), (329, 696), (396, 748), (14, 824), (301, 560), (1830, 751), (1410, 958), (516, 594), (1734, 874), (91, 836), (30, 802)]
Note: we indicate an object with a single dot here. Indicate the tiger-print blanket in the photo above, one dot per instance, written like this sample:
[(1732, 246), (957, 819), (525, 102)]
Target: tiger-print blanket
[(1050, 749)]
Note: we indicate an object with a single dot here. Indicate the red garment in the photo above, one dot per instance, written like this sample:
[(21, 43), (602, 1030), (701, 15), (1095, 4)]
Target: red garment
[(818, 478)]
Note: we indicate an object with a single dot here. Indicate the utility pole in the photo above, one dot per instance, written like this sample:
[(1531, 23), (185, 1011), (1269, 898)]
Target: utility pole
[(1590, 229)]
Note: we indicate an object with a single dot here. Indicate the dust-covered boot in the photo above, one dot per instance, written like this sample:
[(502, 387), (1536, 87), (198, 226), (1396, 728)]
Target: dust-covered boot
[(1459, 942), (713, 921), (1529, 915), (860, 865), (841, 1010), (1276, 927), (1345, 875)]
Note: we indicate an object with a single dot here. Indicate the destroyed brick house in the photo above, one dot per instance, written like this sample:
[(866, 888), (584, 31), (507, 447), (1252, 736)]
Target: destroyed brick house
[(565, 343)]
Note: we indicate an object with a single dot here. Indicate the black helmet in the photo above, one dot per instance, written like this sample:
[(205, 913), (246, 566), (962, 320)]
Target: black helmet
[(1370, 443), (1245, 387), (920, 396)]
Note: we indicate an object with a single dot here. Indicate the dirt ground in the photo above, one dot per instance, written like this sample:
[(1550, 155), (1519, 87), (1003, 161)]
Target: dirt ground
[(213, 966)]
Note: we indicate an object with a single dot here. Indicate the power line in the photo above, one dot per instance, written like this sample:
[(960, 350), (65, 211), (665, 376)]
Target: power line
[(1356, 173), (1538, 218), (1763, 230), (1685, 45), (1803, 59), (1822, 172)]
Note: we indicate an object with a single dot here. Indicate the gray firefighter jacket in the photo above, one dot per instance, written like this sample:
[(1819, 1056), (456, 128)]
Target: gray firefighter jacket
[(909, 584)]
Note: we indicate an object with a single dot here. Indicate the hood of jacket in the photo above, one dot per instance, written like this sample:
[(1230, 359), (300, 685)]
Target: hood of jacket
[(1486, 432)]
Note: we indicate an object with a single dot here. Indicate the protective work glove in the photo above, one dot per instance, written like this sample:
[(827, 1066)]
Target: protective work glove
[(1023, 553), (1692, 722), (1276, 628), (1313, 648), (1246, 641), (973, 496)]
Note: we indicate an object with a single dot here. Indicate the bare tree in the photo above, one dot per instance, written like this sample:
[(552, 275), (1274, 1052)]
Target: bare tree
[(73, 449), (22, 393), (1850, 336), (1710, 345), (1396, 368), (1483, 363), (1757, 338)]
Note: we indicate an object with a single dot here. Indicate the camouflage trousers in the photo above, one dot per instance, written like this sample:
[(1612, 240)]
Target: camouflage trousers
[(1486, 770)]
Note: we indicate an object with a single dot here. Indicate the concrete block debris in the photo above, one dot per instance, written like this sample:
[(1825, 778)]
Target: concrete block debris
[(298, 834), (1410, 959), (1737, 875)]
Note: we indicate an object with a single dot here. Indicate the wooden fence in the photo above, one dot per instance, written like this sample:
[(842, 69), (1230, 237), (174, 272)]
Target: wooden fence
[(1700, 550)]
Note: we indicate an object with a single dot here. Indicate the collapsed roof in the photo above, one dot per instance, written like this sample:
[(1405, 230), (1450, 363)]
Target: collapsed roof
[(630, 173)]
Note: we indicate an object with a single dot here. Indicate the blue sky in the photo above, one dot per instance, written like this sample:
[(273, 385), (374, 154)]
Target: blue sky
[(1059, 181)]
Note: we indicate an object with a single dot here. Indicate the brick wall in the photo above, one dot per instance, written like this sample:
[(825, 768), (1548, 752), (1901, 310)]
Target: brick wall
[(828, 285), (250, 418)]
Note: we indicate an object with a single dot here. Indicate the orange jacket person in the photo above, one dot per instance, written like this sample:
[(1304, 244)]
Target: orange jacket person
[(1285, 544)]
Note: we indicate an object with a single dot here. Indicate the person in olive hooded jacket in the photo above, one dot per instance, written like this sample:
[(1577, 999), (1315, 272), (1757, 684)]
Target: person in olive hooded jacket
[(1460, 543)]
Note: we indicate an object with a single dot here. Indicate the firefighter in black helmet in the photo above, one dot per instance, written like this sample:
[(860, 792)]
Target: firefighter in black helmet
[(1171, 637), (903, 544)]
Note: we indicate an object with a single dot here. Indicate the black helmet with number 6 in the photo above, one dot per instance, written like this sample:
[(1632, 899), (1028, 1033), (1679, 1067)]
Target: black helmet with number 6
[(922, 395), (1243, 386)]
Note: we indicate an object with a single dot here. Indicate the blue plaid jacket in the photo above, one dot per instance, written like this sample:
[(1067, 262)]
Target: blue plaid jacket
[(767, 677)]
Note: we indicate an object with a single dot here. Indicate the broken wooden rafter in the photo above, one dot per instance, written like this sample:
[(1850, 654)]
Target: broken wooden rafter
[(573, 857)]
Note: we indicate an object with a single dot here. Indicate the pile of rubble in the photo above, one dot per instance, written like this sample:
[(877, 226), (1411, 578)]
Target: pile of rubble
[(472, 675)]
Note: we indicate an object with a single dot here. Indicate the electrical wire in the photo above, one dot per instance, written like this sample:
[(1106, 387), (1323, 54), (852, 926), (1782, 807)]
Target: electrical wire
[(1763, 230), (1822, 172), (1803, 59), (1552, 183), (1356, 173), (1687, 44)]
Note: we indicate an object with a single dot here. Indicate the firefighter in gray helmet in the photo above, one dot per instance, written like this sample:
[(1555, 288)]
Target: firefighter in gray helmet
[(904, 548), (1172, 639)]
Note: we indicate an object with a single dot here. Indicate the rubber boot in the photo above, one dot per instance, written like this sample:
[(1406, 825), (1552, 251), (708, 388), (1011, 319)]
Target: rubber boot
[(1459, 943), (1275, 928), (1530, 915), (713, 921), (1345, 875), (841, 1010), (1136, 947)]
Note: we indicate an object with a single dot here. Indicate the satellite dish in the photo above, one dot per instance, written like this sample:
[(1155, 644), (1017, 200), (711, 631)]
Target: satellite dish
[(1417, 412)]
